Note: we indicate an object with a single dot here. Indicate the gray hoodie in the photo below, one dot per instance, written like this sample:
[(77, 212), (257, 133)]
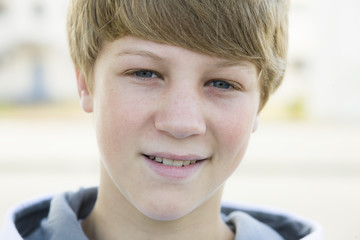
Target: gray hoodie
[(58, 218)]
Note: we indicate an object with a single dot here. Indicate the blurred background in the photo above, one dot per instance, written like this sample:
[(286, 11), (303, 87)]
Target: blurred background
[(304, 158)]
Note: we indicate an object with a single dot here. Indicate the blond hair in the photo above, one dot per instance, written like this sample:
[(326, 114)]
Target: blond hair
[(253, 30)]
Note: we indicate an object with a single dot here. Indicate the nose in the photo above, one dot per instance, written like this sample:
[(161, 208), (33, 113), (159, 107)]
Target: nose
[(181, 115)]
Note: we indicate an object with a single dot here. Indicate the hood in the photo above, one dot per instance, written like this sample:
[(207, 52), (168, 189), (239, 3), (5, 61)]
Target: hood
[(57, 217), (255, 219)]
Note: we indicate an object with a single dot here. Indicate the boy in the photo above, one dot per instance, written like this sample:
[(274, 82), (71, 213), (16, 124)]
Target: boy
[(175, 88)]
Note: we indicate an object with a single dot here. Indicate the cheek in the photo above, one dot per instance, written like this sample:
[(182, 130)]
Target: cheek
[(117, 122), (233, 130)]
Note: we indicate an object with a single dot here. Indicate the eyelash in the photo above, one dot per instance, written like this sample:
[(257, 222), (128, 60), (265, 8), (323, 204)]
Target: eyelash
[(135, 72), (229, 86), (225, 85)]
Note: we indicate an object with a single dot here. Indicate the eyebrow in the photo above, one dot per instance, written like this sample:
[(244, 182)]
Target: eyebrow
[(231, 63), (220, 64), (142, 54)]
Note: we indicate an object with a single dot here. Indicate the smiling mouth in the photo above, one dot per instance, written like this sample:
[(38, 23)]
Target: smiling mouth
[(173, 163)]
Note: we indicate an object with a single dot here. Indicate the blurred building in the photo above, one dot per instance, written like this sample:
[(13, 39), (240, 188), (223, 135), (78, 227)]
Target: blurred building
[(323, 78), (34, 61)]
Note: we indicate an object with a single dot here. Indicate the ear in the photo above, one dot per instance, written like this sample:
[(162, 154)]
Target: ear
[(256, 123), (86, 99)]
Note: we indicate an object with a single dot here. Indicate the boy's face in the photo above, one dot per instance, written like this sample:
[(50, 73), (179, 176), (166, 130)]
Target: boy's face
[(155, 102)]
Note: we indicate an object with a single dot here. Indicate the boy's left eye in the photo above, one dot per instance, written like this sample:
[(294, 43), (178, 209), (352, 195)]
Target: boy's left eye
[(221, 84)]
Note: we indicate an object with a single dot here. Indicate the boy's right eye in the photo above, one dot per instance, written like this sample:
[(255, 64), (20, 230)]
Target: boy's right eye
[(145, 74)]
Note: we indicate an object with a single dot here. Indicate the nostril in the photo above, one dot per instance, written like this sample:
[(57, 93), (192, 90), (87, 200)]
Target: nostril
[(180, 131), (181, 128)]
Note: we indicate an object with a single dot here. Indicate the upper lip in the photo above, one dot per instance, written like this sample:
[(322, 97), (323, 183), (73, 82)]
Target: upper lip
[(186, 157)]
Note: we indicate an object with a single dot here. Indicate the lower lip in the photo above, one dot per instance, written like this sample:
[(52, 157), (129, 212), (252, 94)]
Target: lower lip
[(172, 172)]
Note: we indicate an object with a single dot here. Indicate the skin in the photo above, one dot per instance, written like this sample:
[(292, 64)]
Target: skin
[(167, 101)]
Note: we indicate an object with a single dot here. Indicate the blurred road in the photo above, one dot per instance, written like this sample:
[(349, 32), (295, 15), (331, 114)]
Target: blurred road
[(311, 169)]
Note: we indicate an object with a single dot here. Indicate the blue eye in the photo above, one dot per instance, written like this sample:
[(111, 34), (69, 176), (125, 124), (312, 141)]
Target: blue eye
[(145, 74), (221, 84)]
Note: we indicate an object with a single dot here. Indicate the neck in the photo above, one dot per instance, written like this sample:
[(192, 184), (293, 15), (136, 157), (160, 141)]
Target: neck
[(113, 217)]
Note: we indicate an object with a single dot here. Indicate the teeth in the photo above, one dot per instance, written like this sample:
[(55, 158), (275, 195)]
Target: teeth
[(157, 159), (178, 163), (169, 162), (186, 163)]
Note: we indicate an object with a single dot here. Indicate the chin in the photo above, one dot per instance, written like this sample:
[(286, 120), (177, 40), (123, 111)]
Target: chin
[(165, 212), (164, 217)]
